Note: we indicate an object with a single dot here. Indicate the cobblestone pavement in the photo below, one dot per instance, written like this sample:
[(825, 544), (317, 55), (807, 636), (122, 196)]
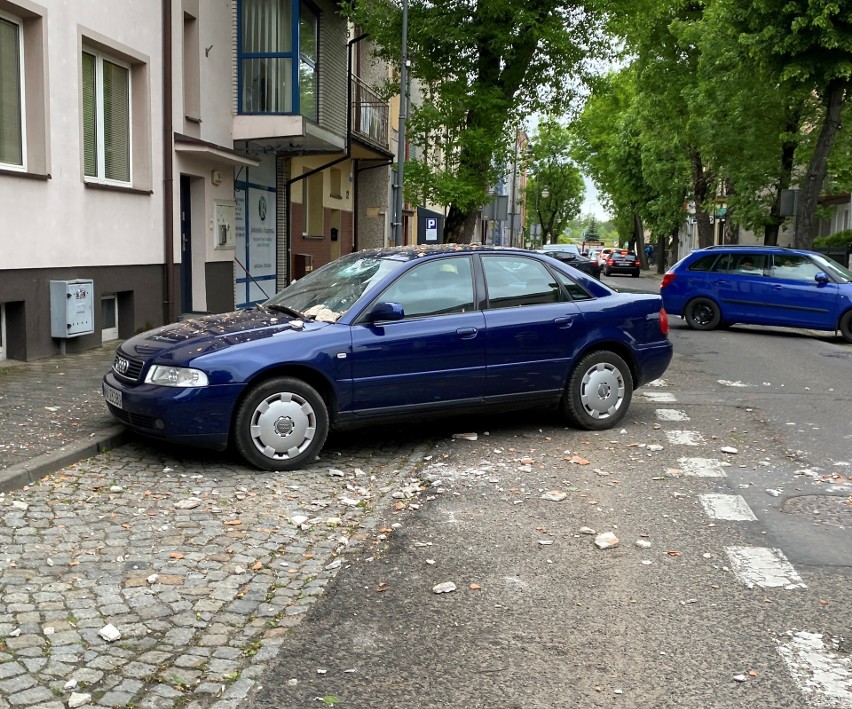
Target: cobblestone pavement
[(52, 414), (200, 564)]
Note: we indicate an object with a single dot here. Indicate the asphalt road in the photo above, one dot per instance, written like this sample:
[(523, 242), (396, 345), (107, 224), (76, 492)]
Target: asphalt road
[(713, 610)]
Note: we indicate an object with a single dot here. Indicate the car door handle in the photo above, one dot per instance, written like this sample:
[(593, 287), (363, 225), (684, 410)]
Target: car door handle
[(564, 322), (467, 333)]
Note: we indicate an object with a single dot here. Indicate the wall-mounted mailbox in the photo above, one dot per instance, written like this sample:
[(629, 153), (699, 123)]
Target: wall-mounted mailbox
[(72, 308)]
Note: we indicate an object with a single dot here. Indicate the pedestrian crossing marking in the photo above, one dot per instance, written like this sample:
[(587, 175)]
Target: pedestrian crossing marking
[(702, 467), (823, 675), (731, 508), (671, 415), (661, 397), (685, 438), (760, 566)]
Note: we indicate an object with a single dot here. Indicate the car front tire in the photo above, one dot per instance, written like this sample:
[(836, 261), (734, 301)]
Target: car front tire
[(845, 326), (598, 392), (281, 424), (702, 314)]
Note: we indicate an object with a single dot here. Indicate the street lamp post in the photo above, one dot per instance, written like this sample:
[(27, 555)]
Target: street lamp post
[(398, 234), (545, 193)]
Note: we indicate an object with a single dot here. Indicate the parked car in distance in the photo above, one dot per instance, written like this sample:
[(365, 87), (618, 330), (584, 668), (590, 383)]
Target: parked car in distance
[(572, 248), (622, 261), (382, 335), (581, 263), (760, 285)]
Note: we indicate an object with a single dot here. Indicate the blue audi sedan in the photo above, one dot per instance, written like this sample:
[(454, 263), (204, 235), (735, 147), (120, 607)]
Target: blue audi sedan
[(387, 334)]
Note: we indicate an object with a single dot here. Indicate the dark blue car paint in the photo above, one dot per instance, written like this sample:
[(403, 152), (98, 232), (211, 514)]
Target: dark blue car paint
[(375, 370)]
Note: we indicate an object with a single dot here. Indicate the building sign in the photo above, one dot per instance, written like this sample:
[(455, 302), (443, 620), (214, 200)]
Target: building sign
[(431, 230), (255, 261)]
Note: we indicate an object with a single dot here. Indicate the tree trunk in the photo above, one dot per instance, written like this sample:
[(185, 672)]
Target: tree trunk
[(459, 226), (835, 94), (788, 152), (701, 181)]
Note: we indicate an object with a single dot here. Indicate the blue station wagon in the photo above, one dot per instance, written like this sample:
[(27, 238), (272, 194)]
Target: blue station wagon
[(760, 285), (384, 334)]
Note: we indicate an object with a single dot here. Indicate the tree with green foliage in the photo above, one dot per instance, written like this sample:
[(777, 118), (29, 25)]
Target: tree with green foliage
[(555, 188), (806, 45), (483, 66)]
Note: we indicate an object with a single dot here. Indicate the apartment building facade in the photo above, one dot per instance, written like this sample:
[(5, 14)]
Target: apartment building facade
[(166, 158)]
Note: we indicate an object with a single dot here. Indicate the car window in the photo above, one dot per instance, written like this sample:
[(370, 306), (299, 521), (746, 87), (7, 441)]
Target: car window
[(748, 264), (575, 290), (512, 281), (433, 288), (792, 267), (710, 262)]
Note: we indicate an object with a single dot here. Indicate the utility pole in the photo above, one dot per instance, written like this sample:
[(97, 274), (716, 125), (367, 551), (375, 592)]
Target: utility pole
[(398, 220)]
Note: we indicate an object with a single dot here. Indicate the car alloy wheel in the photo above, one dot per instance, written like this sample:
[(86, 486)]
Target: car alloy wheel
[(281, 424), (599, 391)]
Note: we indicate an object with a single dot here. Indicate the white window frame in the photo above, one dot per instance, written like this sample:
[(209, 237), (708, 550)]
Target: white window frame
[(22, 167), (100, 176), (110, 333)]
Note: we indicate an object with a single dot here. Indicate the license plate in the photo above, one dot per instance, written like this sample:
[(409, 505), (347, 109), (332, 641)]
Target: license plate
[(113, 396)]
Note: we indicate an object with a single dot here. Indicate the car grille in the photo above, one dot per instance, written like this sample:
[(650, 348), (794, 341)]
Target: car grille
[(136, 420), (128, 368)]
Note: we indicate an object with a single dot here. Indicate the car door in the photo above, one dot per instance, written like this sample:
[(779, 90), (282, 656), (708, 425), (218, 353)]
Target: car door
[(740, 280), (532, 328), (435, 354), (797, 300)]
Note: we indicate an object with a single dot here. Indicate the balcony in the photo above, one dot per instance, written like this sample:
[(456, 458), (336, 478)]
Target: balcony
[(369, 115)]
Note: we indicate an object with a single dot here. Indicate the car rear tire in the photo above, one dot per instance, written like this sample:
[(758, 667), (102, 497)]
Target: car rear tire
[(845, 326), (702, 314), (598, 392), (281, 424)]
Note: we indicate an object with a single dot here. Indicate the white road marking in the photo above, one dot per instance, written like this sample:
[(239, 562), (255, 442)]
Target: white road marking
[(824, 677), (767, 568), (727, 507), (685, 438), (661, 397), (702, 467), (671, 415)]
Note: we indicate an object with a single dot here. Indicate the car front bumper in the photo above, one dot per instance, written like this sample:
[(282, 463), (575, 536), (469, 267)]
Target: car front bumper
[(198, 416)]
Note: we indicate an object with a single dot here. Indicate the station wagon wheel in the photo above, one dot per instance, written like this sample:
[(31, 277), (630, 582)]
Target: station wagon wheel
[(845, 326), (281, 424), (702, 314), (598, 392)]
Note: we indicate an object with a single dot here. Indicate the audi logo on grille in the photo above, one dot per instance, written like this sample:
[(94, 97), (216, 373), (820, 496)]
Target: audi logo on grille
[(121, 365)]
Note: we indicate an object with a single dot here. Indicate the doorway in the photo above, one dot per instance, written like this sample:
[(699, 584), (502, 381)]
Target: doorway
[(185, 245)]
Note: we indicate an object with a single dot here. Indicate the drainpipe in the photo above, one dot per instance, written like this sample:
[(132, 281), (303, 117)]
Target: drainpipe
[(169, 313), (288, 187)]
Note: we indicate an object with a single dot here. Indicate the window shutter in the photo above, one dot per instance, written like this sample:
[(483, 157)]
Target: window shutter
[(11, 148), (90, 132), (116, 122)]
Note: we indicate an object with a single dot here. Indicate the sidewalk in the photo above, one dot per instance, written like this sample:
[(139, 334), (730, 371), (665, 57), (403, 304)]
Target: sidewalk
[(52, 414)]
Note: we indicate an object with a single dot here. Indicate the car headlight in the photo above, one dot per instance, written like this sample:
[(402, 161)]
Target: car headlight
[(176, 376)]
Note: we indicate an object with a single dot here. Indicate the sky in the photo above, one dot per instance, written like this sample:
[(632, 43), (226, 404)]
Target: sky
[(591, 205)]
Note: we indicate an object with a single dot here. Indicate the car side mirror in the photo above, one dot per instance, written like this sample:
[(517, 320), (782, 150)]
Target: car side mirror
[(386, 312), (821, 278)]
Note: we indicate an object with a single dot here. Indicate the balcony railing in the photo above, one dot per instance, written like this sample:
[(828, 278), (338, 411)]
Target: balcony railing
[(369, 114)]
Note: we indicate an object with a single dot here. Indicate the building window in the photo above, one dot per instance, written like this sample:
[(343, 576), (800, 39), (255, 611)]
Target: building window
[(106, 118), (308, 44), (191, 70), (12, 139), (278, 50)]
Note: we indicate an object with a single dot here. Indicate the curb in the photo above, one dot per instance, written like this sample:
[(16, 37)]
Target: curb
[(18, 476)]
